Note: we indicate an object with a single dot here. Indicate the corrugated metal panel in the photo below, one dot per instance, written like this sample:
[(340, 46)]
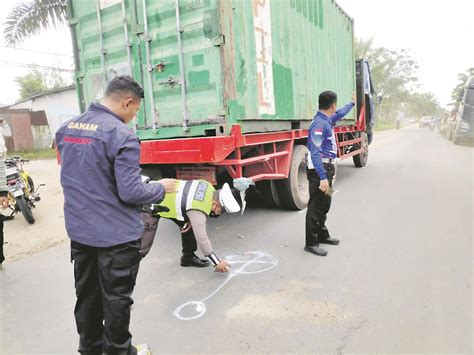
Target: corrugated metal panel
[(38, 118), (20, 125), (260, 63)]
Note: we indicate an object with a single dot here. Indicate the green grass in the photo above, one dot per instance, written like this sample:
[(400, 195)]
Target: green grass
[(34, 154), (383, 126)]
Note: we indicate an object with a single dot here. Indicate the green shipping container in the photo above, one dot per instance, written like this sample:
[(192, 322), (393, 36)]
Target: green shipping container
[(207, 65)]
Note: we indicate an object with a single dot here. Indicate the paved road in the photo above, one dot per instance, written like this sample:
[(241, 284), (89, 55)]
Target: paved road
[(401, 280)]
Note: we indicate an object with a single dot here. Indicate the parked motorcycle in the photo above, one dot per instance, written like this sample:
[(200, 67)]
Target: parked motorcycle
[(22, 195)]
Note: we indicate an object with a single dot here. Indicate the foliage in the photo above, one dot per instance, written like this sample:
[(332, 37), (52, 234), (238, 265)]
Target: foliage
[(37, 82), (30, 18), (462, 77), (31, 84), (394, 75)]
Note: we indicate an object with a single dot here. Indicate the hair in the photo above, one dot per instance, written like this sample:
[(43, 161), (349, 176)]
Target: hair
[(327, 99), (123, 85)]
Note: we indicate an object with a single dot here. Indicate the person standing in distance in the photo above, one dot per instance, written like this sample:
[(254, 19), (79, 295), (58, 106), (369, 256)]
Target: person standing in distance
[(3, 205), (321, 169), (5, 131), (103, 195)]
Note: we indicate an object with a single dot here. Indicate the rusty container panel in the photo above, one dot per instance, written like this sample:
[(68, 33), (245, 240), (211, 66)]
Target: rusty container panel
[(20, 125), (257, 63)]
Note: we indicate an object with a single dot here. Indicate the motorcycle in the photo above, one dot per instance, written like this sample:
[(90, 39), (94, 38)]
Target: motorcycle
[(22, 195)]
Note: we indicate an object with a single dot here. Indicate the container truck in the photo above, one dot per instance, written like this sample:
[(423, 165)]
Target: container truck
[(462, 127), (231, 86)]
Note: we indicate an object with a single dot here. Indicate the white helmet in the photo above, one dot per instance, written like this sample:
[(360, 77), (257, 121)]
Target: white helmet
[(227, 199)]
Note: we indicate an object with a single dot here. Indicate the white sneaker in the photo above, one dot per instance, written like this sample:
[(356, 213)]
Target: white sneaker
[(143, 349)]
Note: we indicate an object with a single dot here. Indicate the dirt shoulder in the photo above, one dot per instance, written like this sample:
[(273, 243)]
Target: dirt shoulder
[(23, 239)]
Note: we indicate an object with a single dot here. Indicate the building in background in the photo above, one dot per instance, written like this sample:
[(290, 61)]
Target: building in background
[(35, 120)]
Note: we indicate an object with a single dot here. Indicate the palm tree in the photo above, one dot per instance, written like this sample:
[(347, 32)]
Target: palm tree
[(462, 77), (31, 18)]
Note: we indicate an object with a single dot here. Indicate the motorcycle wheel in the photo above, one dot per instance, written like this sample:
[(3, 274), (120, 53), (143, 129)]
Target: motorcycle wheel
[(25, 209)]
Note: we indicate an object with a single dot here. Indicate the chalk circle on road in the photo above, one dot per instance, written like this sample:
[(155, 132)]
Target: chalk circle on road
[(190, 310), (252, 262)]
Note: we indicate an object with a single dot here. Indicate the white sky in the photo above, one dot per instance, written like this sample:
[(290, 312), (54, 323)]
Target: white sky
[(439, 33)]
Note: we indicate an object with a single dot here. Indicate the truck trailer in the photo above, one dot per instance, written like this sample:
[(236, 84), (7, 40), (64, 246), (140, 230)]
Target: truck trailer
[(231, 86)]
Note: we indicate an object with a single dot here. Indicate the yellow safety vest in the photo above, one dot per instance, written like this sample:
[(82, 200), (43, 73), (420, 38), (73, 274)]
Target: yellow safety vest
[(191, 195)]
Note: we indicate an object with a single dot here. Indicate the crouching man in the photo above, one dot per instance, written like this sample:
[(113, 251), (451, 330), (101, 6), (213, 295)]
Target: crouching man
[(190, 207)]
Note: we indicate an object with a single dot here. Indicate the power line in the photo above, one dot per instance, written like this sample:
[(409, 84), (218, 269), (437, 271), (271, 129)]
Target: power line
[(34, 66), (35, 51)]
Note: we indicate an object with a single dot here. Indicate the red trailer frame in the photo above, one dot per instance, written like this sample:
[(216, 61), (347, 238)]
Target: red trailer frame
[(259, 156)]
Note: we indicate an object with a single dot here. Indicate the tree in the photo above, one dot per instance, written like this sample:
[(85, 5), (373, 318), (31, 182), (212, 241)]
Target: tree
[(393, 74), (36, 82), (31, 84), (422, 104), (31, 18), (462, 77)]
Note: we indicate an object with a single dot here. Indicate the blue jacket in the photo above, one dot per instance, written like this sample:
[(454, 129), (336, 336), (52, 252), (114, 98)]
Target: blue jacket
[(321, 139), (100, 176)]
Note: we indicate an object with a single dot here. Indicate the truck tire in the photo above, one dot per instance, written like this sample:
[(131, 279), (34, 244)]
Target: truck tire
[(294, 191), (360, 160), (25, 209), (269, 193)]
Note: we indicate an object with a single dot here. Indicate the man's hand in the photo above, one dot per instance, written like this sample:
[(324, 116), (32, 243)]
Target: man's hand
[(354, 97), (170, 185), (4, 202), (324, 185), (223, 266)]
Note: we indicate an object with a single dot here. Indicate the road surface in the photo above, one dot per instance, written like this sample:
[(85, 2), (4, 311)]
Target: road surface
[(400, 281)]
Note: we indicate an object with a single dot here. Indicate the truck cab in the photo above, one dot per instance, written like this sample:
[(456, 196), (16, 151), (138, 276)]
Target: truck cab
[(464, 124)]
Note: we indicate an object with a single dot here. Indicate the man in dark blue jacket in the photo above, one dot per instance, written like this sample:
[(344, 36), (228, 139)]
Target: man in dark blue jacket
[(103, 195), (321, 169)]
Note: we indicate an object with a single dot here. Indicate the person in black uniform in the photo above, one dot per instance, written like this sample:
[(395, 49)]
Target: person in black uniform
[(103, 195)]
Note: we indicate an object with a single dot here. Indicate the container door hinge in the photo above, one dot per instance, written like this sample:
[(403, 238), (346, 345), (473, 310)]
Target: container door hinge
[(139, 29), (219, 40)]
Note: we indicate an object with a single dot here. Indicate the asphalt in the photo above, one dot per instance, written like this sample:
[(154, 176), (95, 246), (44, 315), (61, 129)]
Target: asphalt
[(400, 281)]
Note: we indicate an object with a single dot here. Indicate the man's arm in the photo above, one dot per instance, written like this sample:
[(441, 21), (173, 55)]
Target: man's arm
[(198, 220), (339, 114), (130, 187), (315, 141)]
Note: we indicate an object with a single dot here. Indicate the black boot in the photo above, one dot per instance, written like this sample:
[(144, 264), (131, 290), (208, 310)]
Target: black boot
[(316, 250), (193, 260)]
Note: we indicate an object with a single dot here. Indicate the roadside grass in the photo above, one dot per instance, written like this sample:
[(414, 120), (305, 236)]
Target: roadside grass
[(34, 154)]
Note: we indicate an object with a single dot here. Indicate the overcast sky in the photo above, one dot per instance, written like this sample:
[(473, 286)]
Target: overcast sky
[(440, 35)]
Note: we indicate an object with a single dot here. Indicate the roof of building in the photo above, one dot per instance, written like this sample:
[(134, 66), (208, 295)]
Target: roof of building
[(55, 91)]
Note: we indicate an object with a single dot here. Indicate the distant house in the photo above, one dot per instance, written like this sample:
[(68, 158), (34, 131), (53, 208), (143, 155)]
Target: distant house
[(35, 120)]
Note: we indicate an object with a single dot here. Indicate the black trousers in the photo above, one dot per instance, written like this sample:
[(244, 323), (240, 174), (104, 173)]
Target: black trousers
[(188, 239), (2, 257), (104, 280), (318, 207)]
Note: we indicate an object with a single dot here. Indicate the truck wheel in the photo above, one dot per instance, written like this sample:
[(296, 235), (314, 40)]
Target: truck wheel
[(294, 191), (269, 192), (360, 160)]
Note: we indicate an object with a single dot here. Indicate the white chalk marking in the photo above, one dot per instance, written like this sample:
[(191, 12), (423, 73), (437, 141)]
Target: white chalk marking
[(256, 258)]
